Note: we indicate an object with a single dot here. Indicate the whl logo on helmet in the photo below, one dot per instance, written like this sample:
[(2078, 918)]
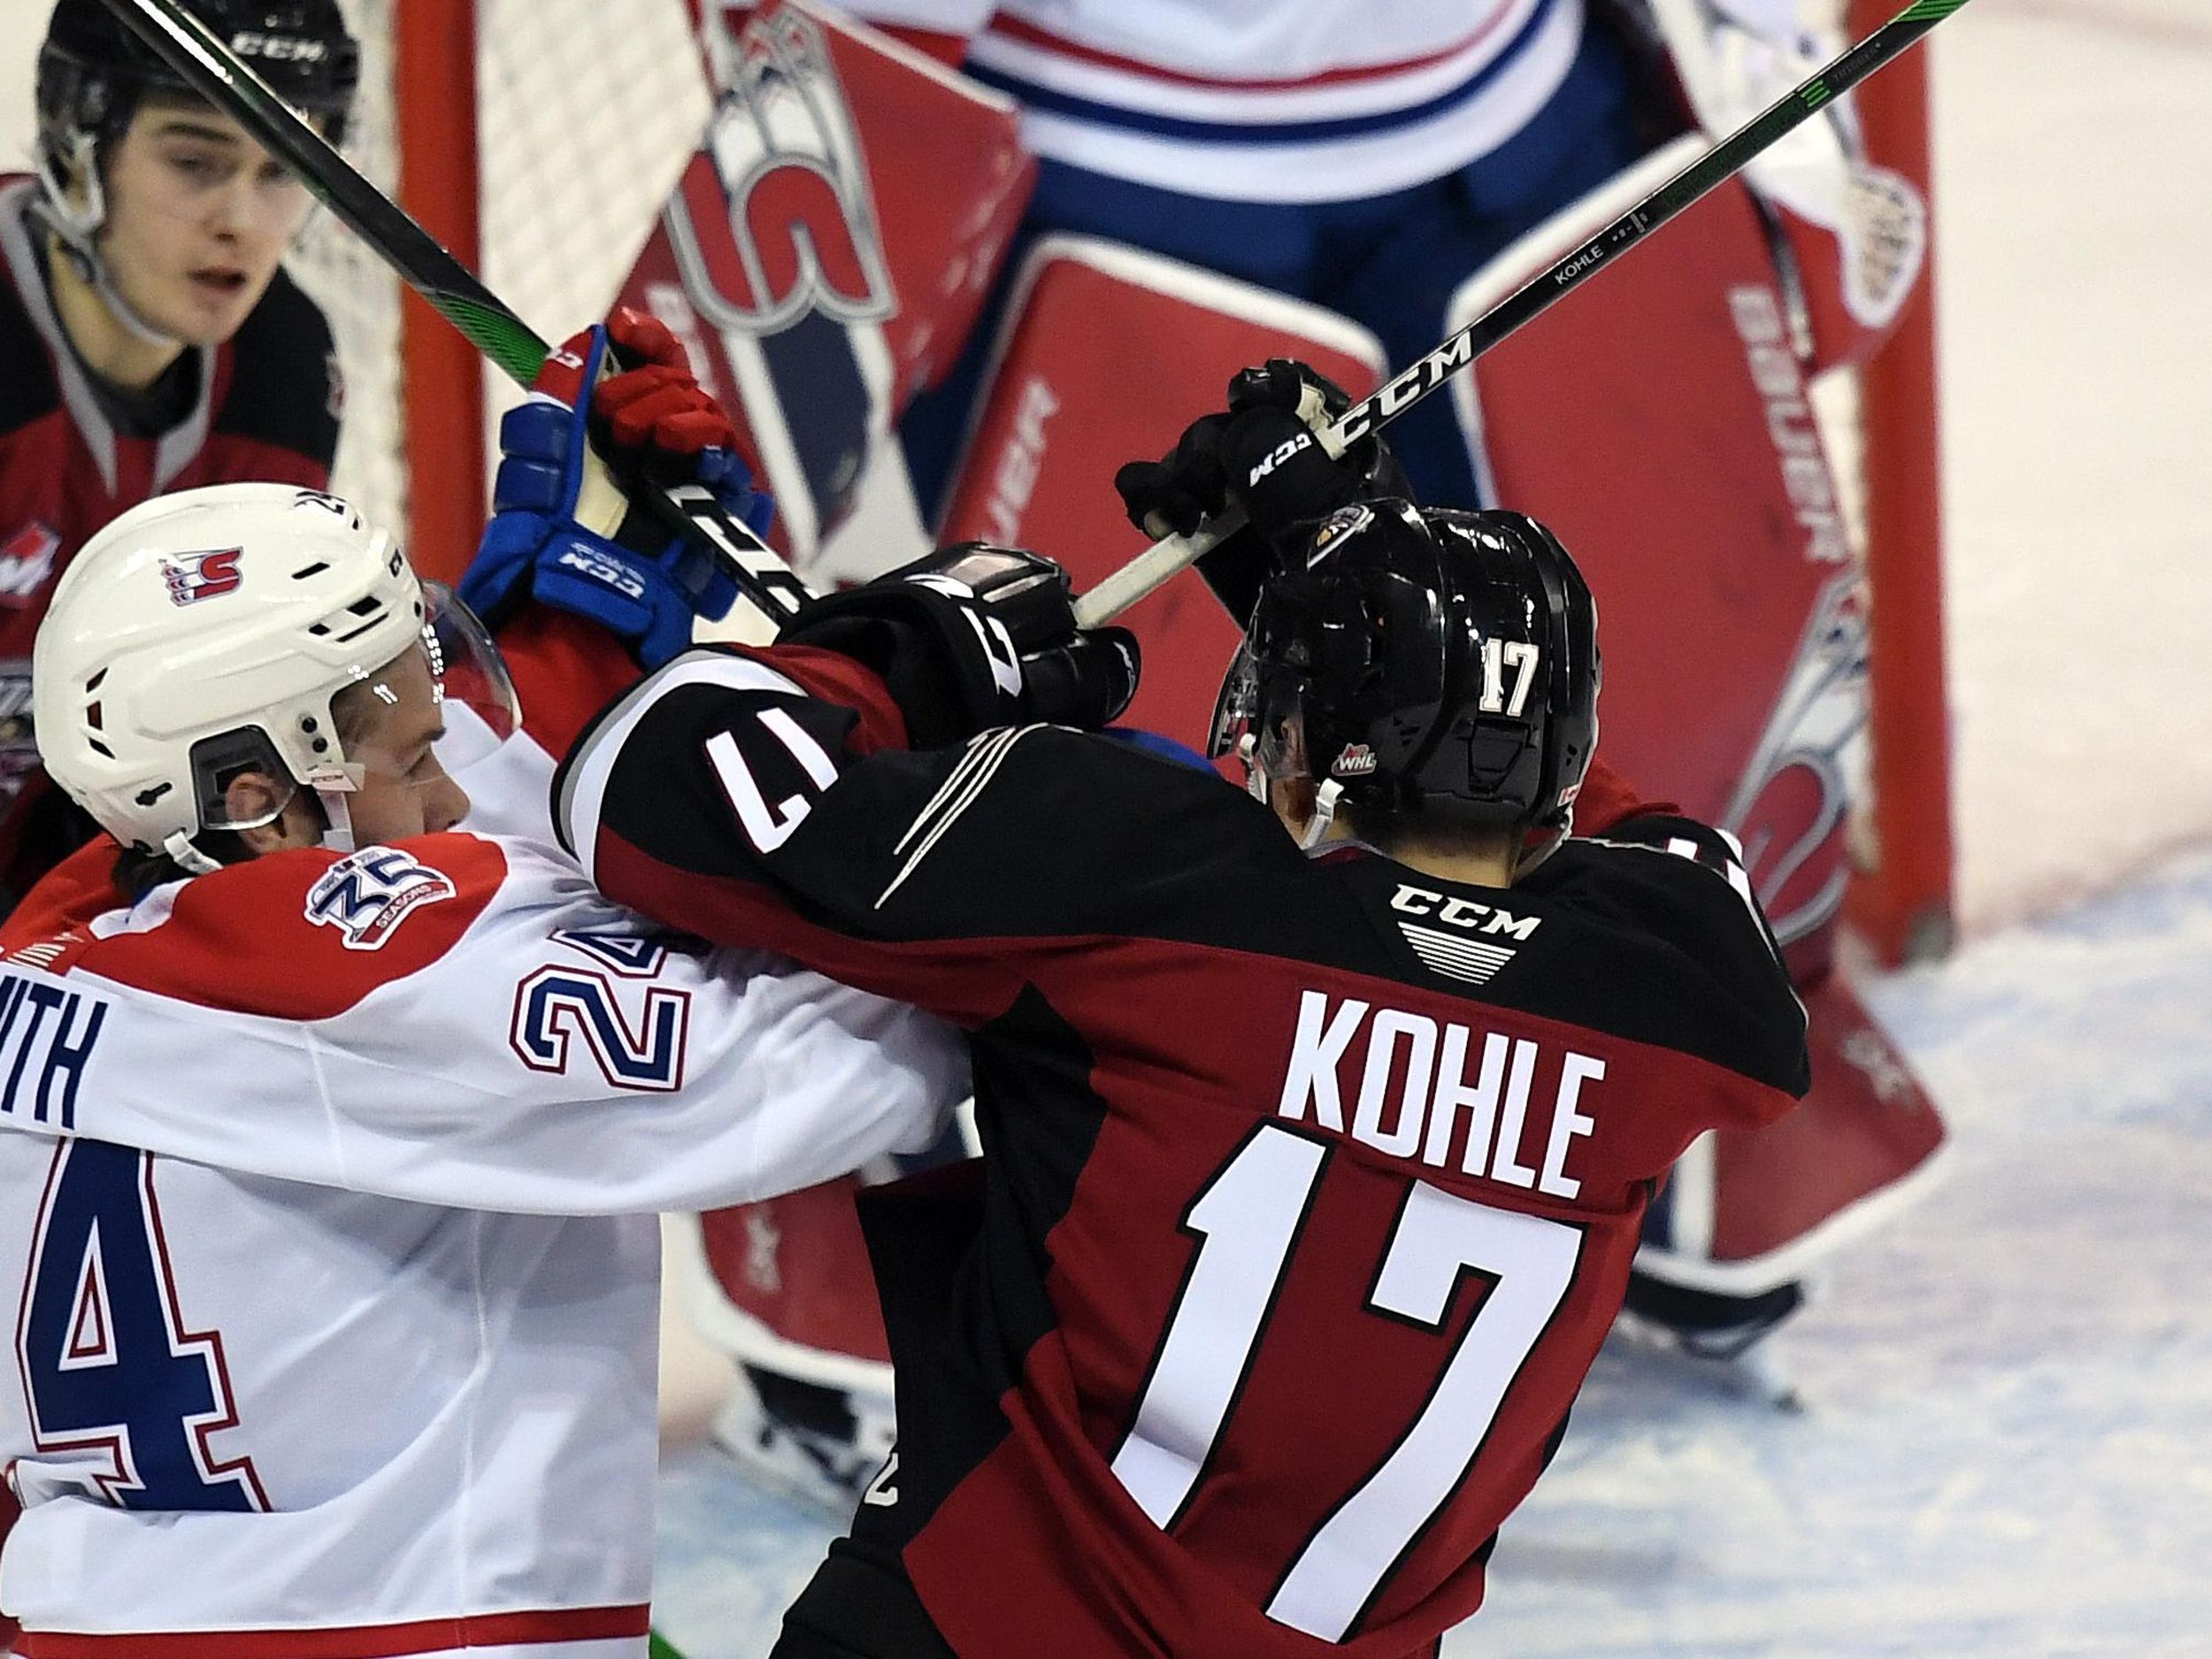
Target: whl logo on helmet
[(1356, 761), (367, 894), (193, 577)]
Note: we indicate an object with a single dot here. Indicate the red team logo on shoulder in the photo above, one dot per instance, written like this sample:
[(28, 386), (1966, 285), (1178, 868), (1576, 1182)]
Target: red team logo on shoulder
[(27, 559), (193, 577)]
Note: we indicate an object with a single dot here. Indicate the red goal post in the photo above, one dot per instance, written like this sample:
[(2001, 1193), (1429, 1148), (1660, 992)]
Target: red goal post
[(536, 139), (1900, 899)]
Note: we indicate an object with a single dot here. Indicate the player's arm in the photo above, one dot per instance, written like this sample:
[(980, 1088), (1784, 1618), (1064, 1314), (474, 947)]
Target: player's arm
[(460, 1021), (765, 798)]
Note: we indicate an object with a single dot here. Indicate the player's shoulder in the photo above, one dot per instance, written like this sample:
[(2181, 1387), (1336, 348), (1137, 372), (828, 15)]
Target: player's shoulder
[(309, 933), (1655, 858), (286, 322), (1675, 895), (284, 386), (1679, 887), (1150, 799)]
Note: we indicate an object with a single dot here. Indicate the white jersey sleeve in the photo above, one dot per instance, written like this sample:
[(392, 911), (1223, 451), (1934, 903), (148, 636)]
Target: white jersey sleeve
[(458, 1020)]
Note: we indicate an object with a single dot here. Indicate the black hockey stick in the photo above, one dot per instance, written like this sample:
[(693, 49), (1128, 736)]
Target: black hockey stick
[(206, 61), (1152, 568)]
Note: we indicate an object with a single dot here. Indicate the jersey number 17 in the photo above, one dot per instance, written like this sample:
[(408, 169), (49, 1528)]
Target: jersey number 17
[(1248, 1219)]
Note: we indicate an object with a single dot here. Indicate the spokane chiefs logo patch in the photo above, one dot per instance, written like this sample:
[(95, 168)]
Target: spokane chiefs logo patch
[(193, 577), (367, 895)]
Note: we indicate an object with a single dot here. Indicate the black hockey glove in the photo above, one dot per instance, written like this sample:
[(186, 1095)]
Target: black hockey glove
[(975, 636), (1264, 454)]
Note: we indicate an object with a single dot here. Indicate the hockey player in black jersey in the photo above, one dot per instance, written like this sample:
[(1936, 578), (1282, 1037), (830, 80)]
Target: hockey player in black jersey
[(1313, 1163)]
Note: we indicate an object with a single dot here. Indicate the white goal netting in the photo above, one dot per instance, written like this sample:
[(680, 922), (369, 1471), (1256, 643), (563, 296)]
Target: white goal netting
[(585, 112)]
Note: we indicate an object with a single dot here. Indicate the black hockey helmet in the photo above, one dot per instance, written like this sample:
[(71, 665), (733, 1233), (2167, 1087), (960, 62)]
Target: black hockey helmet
[(1424, 661), (93, 69)]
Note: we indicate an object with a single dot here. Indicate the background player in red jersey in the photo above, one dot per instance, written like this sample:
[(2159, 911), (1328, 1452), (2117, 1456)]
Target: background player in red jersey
[(149, 341), (1311, 1183)]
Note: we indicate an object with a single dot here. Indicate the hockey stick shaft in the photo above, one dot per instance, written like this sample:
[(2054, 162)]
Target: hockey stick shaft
[(206, 61), (1153, 566)]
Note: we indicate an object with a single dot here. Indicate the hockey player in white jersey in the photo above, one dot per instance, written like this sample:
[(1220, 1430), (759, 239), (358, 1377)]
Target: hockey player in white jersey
[(334, 1131)]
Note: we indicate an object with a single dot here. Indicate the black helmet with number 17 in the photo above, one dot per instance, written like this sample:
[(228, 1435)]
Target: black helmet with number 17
[(1423, 663)]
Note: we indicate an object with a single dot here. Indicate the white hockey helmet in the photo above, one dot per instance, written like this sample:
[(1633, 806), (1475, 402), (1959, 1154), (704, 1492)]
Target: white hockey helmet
[(208, 632)]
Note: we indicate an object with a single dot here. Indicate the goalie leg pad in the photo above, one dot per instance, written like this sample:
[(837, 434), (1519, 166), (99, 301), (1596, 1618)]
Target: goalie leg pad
[(1717, 520), (1104, 349), (783, 1289), (1749, 1213)]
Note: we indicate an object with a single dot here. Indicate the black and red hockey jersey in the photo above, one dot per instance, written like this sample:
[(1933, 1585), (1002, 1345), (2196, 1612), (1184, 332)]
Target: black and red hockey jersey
[(1311, 1183), (267, 407)]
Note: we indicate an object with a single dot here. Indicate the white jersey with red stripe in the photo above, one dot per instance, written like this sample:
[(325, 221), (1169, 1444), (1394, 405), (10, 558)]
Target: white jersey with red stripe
[(1262, 100), (334, 1242)]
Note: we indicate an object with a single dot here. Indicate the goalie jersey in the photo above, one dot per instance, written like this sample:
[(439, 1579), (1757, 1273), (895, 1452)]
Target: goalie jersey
[(1311, 1183), (334, 1245)]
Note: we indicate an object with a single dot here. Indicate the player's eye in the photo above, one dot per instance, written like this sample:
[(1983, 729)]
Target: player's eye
[(199, 168)]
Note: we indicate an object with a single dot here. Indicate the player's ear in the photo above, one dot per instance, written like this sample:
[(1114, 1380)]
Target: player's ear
[(254, 794)]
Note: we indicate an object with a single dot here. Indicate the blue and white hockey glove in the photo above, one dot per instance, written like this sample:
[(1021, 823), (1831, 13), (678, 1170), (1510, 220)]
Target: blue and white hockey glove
[(647, 587)]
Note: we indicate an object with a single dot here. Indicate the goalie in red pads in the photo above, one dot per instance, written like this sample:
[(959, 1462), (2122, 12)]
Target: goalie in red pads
[(1247, 1108)]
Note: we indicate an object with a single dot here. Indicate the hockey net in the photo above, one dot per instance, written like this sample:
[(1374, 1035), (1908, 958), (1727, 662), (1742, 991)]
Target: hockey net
[(571, 120), (538, 138)]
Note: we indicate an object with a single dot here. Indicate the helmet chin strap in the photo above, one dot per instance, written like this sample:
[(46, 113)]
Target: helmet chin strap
[(179, 846), (337, 818), (79, 232), (1526, 860), (1325, 796), (1325, 800), (96, 272)]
